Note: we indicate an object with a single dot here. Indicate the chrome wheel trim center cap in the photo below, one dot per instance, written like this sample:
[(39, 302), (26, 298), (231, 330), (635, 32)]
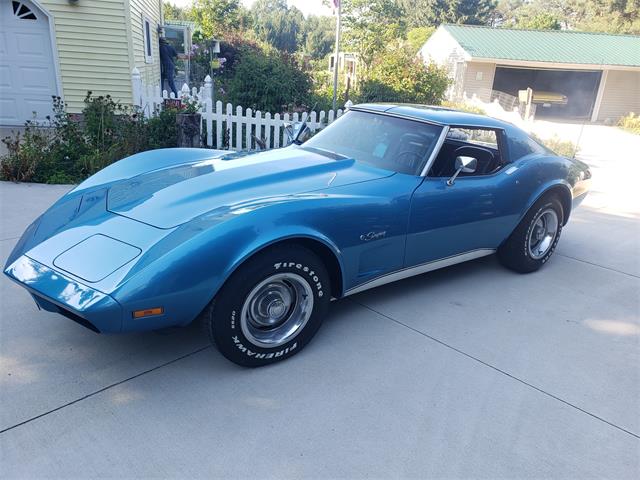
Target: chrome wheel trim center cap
[(276, 310), (543, 234)]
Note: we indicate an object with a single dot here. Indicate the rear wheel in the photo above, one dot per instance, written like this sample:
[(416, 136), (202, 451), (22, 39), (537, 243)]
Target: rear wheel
[(270, 308), (535, 239)]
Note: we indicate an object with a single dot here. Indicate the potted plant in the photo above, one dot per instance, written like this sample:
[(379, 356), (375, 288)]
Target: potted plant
[(189, 121)]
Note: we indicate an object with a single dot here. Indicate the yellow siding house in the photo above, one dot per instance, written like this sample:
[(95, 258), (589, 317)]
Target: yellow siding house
[(67, 47)]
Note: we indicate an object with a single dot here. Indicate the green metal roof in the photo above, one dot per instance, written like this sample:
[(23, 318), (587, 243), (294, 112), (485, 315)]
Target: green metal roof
[(554, 46)]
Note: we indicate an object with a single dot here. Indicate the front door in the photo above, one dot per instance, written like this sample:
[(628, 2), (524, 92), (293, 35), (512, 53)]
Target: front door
[(468, 216)]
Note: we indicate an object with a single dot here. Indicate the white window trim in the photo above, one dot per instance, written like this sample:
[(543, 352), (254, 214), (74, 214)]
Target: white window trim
[(147, 38), (598, 103), (54, 46)]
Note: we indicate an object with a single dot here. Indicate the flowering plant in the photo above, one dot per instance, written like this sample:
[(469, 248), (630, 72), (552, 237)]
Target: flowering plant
[(190, 105)]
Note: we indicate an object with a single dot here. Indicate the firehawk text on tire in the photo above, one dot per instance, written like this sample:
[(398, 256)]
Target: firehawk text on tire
[(271, 307)]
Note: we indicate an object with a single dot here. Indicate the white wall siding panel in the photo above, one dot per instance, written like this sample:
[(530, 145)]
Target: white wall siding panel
[(478, 79), (621, 95), (442, 49)]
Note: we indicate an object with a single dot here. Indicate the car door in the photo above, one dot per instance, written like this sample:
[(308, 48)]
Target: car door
[(470, 214)]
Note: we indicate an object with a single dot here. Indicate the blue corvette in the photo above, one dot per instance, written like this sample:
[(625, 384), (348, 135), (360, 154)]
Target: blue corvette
[(257, 245)]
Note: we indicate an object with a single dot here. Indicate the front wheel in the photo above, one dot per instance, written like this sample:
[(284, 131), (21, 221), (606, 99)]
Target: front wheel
[(271, 307), (535, 239)]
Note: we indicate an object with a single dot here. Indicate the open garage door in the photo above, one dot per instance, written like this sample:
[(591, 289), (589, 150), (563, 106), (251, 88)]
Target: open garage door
[(568, 94), (27, 72)]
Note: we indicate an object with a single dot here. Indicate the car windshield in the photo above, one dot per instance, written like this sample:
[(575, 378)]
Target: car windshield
[(379, 140)]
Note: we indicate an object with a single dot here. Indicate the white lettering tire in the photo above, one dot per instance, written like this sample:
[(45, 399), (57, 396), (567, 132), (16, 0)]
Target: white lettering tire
[(270, 308)]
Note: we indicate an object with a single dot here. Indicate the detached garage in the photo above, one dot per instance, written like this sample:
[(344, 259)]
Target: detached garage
[(573, 75)]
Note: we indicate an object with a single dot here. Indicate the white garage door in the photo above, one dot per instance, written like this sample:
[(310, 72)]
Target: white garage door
[(27, 74)]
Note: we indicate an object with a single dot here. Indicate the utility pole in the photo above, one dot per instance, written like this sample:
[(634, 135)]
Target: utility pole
[(336, 59)]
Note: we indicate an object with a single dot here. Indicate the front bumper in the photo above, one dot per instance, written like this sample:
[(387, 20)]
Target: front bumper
[(56, 292)]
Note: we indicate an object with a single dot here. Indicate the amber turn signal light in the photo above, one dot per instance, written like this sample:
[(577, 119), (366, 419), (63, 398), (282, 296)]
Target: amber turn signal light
[(148, 312)]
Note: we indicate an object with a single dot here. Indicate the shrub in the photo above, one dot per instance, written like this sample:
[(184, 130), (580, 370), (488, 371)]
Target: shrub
[(111, 131), (564, 148), (46, 152), (162, 130), (262, 78), (631, 123), (464, 107), (64, 150), (24, 154), (322, 96), (398, 76)]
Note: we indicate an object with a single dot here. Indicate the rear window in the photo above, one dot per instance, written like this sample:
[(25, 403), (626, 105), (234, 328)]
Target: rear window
[(521, 145)]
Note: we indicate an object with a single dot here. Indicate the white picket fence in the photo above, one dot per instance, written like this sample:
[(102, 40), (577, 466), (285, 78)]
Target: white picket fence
[(227, 127)]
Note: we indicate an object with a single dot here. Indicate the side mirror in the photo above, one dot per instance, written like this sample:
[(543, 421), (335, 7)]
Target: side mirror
[(463, 165), (466, 164), (303, 135), (296, 132)]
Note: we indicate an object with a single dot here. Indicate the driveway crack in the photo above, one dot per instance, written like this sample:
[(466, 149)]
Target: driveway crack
[(493, 367), (598, 265), (77, 400)]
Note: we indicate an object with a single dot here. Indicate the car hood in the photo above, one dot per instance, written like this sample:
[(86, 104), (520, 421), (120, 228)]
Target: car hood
[(171, 196)]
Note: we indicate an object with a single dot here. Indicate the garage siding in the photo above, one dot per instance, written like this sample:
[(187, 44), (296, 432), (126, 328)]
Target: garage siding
[(620, 96), (443, 50), (92, 48), (150, 72), (481, 87)]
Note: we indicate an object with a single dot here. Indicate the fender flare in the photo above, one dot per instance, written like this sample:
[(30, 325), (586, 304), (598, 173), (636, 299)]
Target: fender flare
[(290, 234), (562, 187)]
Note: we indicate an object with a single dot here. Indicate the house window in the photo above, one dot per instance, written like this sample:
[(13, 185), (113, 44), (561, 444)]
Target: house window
[(23, 12), (148, 38)]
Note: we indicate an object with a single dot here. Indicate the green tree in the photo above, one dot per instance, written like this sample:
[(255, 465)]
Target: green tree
[(611, 16), (538, 21), (319, 36), (470, 12), (370, 26), (277, 24), (416, 37), (434, 12), (266, 79), (174, 12), (400, 76), (217, 18)]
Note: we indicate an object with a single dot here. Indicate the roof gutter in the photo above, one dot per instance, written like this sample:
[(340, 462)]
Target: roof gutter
[(553, 65)]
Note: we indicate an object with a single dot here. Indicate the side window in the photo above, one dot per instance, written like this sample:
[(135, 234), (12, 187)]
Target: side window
[(475, 136), (147, 38), (483, 144)]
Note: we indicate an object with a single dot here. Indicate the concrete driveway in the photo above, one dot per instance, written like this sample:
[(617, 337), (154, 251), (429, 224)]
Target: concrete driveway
[(469, 372)]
